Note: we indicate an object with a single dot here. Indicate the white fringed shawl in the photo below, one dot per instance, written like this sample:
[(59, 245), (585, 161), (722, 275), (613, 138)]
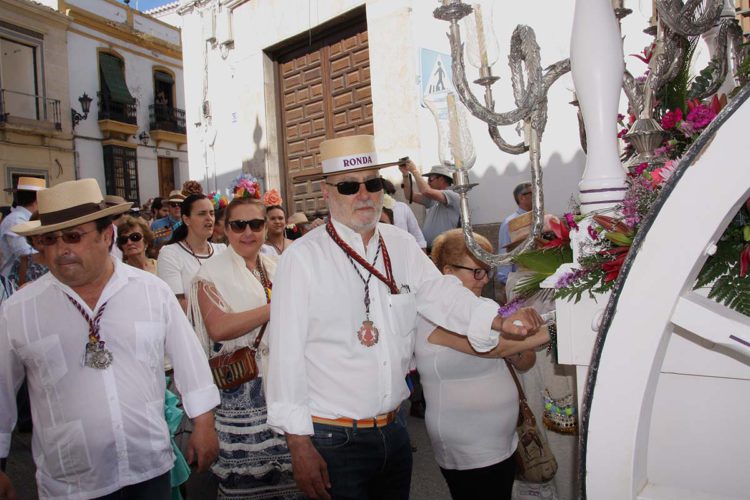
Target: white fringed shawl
[(239, 291)]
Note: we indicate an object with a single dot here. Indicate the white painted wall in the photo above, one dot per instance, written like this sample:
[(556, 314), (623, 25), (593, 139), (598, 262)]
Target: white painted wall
[(139, 64), (239, 85)]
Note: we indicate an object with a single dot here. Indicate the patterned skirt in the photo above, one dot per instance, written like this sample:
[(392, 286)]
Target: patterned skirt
[(254, 461)]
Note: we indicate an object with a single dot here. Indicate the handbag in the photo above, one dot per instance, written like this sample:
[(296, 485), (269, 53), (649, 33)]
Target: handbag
[(535, 462), (236, 368)]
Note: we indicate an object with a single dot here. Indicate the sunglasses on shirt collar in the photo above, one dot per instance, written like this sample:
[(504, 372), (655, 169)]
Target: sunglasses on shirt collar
[(238, 226), (348, 188)]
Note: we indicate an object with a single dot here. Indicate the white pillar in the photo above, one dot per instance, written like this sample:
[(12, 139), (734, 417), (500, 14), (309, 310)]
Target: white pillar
[(597, 66)]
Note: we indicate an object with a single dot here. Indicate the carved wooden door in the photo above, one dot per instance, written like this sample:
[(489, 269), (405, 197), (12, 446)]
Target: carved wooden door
[(324, 93)]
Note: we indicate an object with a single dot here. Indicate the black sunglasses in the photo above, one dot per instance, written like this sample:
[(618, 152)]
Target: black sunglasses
[(134, 237), (479, 272), (348, 188), (238, 226), (70, 238)]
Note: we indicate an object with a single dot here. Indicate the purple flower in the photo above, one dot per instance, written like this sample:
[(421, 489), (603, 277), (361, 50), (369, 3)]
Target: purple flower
[(700, 116), (511, 307), (568, 279), (687, 128), (592, 233), (571, 221)]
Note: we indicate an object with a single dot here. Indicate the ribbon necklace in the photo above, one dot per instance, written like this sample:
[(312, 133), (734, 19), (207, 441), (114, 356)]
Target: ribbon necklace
[(95, 356), (368, 334), (197, 257)]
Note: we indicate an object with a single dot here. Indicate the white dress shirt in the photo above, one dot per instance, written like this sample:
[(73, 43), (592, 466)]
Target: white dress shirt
[(13, 246), (404, 218), (317, 365), (98, 430)]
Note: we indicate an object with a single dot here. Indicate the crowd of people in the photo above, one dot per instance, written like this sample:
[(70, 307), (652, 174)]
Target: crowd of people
[(201, 330)]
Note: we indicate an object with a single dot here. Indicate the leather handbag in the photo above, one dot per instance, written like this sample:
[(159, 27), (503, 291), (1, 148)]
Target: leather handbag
[(236, 368), (535, 462)]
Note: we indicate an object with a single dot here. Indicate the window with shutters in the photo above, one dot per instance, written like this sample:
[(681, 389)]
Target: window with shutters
[(115, 101), (121, 172)]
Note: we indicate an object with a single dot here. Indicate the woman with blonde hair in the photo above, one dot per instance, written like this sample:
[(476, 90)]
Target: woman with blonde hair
[(230, 306), (472, 401), (134, 239)]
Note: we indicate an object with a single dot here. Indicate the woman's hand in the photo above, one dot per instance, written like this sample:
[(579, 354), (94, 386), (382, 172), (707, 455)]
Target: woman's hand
[(521, 323)]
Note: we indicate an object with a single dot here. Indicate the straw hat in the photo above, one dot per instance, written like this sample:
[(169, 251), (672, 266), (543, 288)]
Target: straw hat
[(176, 196), (352, 153), (113, 199), (520, 228), (29, 184), (69, 204), (297, 218)]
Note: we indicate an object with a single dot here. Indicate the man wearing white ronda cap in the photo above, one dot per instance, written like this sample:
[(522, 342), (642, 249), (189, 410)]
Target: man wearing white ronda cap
[(91, 336), (12, 246), (343, 315)]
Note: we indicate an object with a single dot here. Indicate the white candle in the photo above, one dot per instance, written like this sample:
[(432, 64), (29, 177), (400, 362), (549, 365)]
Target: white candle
[(480, 35), (454, 131)]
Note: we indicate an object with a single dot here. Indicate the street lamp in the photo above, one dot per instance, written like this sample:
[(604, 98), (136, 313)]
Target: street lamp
[(75, 116), (144, 138)]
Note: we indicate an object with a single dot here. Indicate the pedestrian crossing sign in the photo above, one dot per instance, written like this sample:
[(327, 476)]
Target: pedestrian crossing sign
[(435, 73)]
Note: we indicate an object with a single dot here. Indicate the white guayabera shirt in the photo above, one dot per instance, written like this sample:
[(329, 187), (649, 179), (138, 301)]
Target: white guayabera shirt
[(96, 431), (317, 364)]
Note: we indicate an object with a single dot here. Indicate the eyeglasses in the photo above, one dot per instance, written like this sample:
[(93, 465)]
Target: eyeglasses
[(174, 204), (348, 188), (134, 237), (70, 238), (238, 226), (479, 272)]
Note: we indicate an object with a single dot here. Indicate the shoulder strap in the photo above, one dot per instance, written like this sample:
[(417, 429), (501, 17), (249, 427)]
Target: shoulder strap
[(521, 394)]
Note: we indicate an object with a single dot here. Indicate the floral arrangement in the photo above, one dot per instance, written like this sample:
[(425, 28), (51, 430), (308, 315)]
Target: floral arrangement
[(245, 185), (218, 200), (272, 198)]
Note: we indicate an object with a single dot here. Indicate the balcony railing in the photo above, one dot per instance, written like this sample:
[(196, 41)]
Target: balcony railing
[(165, 117), (116, 111), (14, 104)]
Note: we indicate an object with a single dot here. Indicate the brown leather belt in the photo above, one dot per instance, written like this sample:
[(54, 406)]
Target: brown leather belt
[(363, 423)]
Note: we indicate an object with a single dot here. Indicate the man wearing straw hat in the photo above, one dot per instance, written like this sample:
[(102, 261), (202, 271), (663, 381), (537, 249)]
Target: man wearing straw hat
[(163, 228), (91, 336), (12, 246), (343, 315)]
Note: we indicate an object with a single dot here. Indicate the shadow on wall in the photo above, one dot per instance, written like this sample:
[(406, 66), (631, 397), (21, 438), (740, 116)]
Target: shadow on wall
[(255, 165), (492, 200)]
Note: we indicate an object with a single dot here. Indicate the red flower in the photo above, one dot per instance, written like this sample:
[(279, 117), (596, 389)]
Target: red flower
[(613, 267), (562, 231), (671, 119)]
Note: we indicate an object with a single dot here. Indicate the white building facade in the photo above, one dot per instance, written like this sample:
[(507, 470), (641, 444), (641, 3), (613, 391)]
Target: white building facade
[(133, 140), (267, 80)]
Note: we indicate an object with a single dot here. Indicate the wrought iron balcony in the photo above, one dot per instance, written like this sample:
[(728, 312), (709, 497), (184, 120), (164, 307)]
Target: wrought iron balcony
[(25, 109), (167, 118), (116, 111)]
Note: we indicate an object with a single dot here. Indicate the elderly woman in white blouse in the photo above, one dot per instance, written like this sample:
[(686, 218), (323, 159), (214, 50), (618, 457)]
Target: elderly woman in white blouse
[(472, 401)]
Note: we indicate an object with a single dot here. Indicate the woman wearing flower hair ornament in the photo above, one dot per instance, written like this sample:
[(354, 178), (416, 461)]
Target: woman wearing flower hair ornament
[(229, 306), (276, 240)]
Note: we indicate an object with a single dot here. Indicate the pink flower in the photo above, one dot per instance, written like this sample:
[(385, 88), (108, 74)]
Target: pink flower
[(700, 116), (571, 221), (592, 233), (622, 133), (671, 118)]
